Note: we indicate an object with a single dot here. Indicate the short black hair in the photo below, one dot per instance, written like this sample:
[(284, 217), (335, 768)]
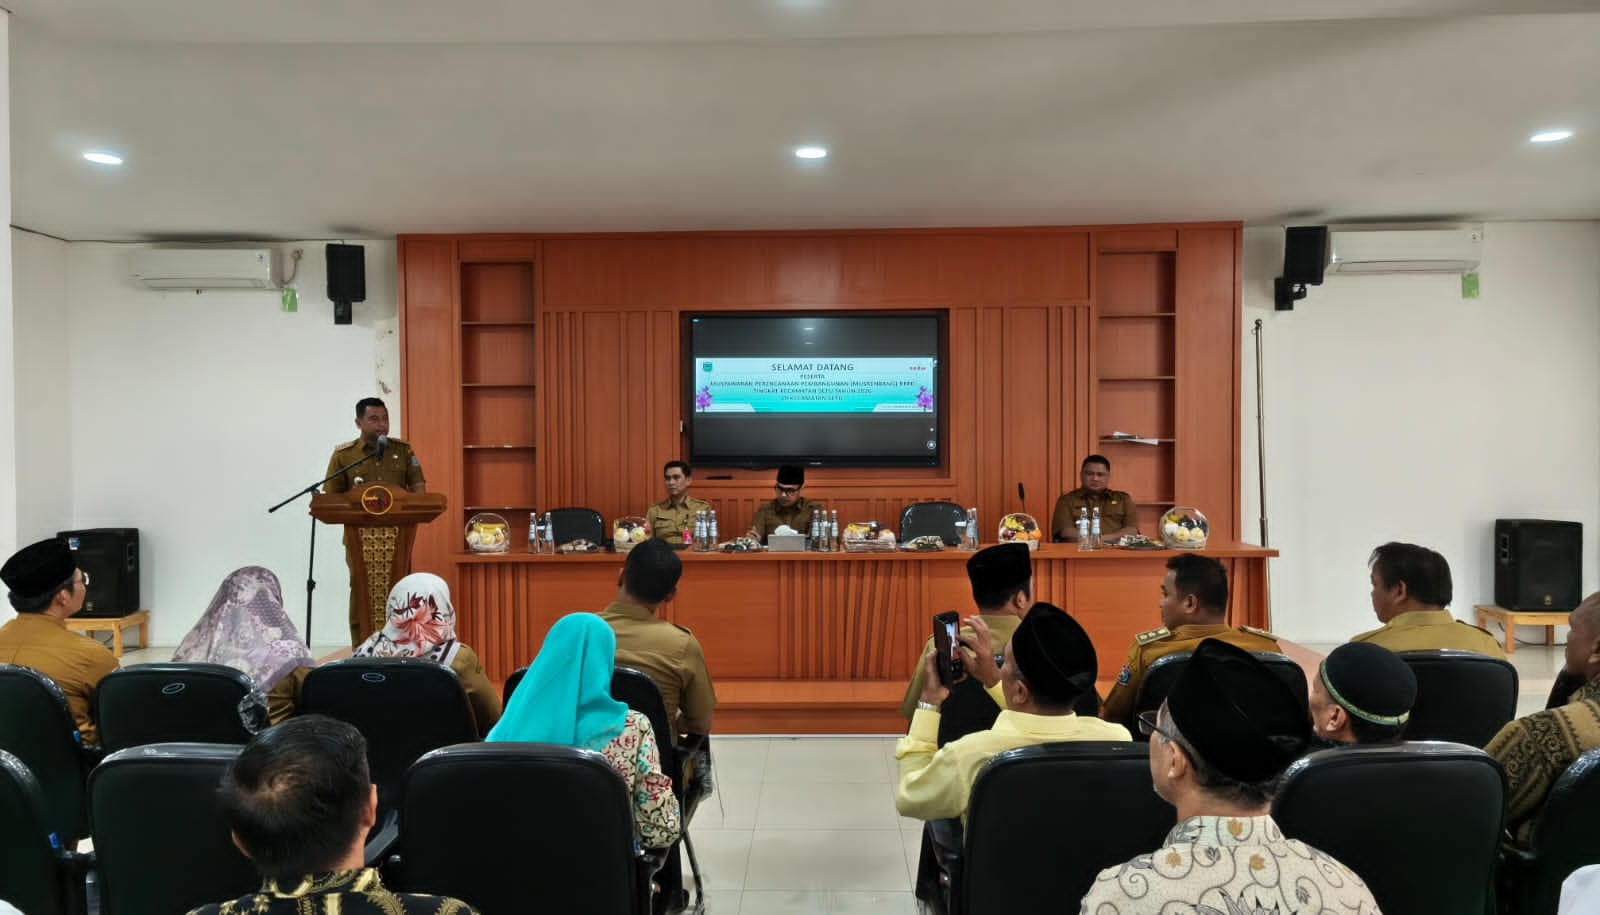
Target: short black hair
[(295, 796), (39, 603), (681, 465), (1203, 578), (989, 599), (1425, 572), (651, 571), (1095, 459), (1223, 787), (364, 403), (1365, 731)]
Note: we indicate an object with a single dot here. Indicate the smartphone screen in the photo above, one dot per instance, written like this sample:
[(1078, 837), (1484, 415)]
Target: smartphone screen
[(947, 655)]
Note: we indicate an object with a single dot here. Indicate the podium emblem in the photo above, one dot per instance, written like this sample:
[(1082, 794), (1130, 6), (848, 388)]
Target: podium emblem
[(377, 499)]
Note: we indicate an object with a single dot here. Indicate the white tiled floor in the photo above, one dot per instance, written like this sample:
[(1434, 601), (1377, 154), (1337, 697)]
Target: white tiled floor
[(807, 824)]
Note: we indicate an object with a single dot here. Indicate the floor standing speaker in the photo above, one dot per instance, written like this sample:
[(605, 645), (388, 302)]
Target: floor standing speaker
[(111, 557), (1538, 565)]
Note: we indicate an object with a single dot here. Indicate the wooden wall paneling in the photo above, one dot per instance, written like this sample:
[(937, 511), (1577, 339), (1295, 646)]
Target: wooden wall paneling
[(1208, 369), (497, 291), (498, 416), (1136, 347), (1152, 238), (964, 442), (497, 354), (1082, 431), (603, 426), (1136, 283), (1027, 403), (563, 398), (429, 411), (737, 618), (1142, 407), (498, 250)]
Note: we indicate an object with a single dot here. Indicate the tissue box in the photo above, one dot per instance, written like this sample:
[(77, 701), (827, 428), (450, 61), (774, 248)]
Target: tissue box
[(786, 543)]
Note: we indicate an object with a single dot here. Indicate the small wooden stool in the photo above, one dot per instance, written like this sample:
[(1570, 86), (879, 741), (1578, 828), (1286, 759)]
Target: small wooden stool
[(115, 625), (1510, 618)]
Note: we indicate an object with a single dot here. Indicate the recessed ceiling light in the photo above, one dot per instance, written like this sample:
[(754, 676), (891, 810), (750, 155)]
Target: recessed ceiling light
[(1550, 136), (811, 152), (103, 158)]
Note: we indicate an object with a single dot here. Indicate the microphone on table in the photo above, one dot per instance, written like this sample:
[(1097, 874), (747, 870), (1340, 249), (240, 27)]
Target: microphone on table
[(1022, 496), (383, 442)]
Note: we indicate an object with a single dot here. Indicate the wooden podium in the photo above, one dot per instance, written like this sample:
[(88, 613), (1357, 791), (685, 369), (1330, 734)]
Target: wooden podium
[(380, 523)]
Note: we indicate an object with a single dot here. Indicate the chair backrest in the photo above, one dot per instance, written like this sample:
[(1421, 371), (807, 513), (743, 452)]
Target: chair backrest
[(569, 524), (1163, 675), (403, 706), (929, 519), (1420, 822), (31, 874), (1031, 792), (511, 683), (173, 703), (967, 710), (37, 727), (1564, 837), (640, 693), (557, 810), (160, 839), (1461, 696)]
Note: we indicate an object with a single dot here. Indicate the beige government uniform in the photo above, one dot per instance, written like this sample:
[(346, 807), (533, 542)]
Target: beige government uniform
[(770, 515), (1426, 630), (674, 524), (75, 662), (1117, 510), (1122, 702), (398, 467), (1001, 627), (670, 655)]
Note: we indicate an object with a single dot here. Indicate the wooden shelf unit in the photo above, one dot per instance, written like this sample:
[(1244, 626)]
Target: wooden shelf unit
[(498, 393), (1136, 373)]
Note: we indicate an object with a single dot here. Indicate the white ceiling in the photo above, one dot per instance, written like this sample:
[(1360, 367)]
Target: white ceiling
[(366, 118)]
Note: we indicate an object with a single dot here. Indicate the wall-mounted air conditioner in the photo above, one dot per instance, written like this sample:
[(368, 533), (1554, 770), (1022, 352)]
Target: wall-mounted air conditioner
[(204, 268), (1386, 250)]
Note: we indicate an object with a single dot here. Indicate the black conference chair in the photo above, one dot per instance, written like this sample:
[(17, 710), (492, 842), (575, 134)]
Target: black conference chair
[(177, 703), (1461, 696), (161, 842), (945, 520), (1420, 822), (38, 728), (403, 706), (561, 839), (1564, 839), (1031, 792), (569, 524), (641, 694), (511, 684), (1163, 675), (37, 874)]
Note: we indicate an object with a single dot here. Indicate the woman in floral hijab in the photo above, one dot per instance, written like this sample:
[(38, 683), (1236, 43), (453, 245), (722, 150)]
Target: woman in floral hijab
[(246, 628), (422, 624)]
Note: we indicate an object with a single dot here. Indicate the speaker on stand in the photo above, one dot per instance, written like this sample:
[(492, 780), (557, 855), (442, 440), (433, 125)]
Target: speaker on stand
[(110, 556), (1538, 565)]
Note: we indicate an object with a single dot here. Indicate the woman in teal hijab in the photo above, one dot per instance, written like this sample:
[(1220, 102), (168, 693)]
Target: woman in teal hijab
[(565, 698)]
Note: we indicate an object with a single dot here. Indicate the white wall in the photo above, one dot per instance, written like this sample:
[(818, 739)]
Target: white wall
[(8, 335), (191, 414), (44, 417), (1397, 410)]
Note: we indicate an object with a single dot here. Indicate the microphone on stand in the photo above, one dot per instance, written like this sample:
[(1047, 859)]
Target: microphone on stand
[(1022, 496), (383, 442)]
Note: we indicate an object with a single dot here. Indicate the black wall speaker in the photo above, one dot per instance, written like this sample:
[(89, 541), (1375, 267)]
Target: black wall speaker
[(347, 279), (1305, 254), (111, 557), (1538, 565)]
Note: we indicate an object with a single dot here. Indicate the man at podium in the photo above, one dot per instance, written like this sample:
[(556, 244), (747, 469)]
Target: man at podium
[(392, 462)]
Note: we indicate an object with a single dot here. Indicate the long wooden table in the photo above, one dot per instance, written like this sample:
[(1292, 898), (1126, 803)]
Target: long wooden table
[(823, 642)]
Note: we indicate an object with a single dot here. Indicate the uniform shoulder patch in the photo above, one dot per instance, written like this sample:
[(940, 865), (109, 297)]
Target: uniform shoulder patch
[(1154, 635), (1261, 632), (1124, 676)]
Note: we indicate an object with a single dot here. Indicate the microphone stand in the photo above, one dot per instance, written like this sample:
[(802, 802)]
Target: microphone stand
[(311, 563)]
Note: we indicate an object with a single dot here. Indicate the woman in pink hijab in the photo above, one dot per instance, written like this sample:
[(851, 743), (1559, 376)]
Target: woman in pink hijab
[(247, 629)]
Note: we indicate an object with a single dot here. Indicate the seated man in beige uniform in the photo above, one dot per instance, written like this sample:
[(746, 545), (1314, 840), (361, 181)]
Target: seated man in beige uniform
[(1002, 588), (1118, 513), (1410, 590), (668, 653), (46, 587), (672, 519), (789, 507), (1194, 607)]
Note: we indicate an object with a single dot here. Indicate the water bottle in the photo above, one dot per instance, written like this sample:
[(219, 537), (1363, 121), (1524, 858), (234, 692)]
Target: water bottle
[(1083, 530), (711, 536), (969, 535), (533, 530), (1094, 531), (833, 533), (700, 532), (549, 533)]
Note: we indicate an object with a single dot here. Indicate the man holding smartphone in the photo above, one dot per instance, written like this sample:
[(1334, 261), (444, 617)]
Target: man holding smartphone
[(1049, 664), (1002, 587)]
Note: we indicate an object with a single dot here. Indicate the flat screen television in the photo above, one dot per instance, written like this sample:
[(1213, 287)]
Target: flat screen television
[(829, 389)]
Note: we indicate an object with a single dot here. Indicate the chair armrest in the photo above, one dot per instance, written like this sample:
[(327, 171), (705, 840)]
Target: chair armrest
[(381, 842)]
